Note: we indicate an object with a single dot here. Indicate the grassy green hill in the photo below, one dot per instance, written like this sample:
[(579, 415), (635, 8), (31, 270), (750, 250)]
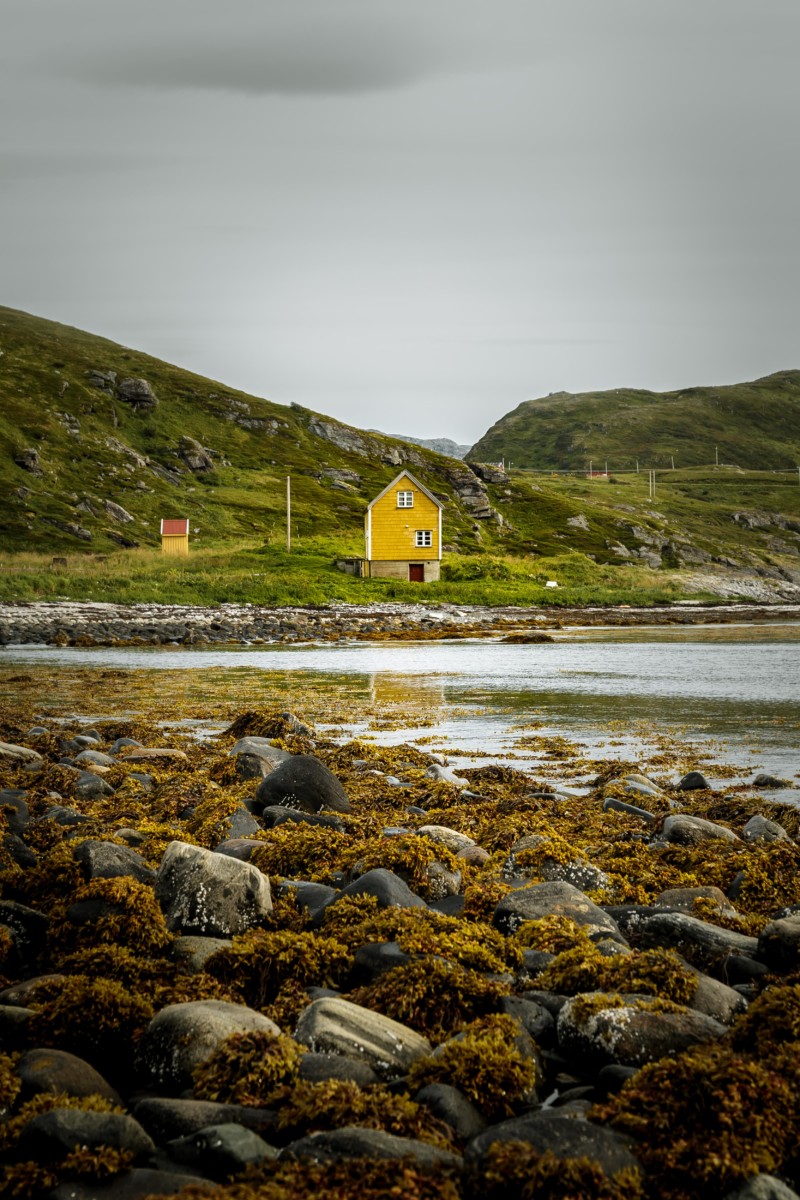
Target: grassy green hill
[(751, 425), (91, 459)]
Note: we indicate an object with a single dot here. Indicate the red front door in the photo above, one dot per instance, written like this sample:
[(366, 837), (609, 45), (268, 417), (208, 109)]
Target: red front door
[(416, 572)]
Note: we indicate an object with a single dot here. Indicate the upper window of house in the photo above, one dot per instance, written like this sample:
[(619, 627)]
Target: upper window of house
[(405, 499), (424, 537)]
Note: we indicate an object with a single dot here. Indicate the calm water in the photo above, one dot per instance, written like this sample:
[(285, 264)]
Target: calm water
[(730, 693)]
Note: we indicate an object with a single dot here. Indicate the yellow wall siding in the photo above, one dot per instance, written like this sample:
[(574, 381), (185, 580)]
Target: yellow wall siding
[(393, 528), (175, 543)]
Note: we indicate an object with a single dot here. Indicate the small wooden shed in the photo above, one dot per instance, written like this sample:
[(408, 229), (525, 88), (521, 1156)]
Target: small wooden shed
[(175, 535)]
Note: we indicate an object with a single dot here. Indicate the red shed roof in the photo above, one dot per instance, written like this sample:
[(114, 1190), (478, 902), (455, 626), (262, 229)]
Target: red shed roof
[(174, 527)]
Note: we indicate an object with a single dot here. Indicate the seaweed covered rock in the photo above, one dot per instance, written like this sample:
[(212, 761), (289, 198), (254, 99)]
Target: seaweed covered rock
[(354, 1142), (557, 898), (182, 1036), (107, 860), (52, 1135), (388, 889), (210, 894), (629, 1030), (779, 943), (304, 783), (686, 830), (337, 1026), (566, 1137), (61, 1073)]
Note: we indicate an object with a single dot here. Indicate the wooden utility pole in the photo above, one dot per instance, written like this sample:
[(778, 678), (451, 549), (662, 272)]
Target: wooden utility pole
[(716, 456), (288, 514), (672, 457)]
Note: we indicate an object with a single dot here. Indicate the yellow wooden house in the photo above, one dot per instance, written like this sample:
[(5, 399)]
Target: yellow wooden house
[(403, 531), (175, 535)]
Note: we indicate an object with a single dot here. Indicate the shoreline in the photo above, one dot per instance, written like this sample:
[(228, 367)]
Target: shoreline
[(86, 623)]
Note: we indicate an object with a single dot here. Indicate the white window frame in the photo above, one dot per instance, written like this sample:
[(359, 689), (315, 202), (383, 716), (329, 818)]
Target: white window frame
[(405, 499), (423, 538)]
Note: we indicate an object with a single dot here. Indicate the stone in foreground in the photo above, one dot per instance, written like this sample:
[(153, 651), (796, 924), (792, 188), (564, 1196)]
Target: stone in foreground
[(336, 1026), (182, 1036), (353, 1141), (632, 1035), (303, 782), (565, 1136), (559, 899), (210, 894)]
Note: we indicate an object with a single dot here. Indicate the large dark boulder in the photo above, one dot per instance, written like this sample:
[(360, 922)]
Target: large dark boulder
[(303, 782), (565, 1136), (107, 860), (59, 1073)]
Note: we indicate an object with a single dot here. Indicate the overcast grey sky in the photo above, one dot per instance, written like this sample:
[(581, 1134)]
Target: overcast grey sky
[(409, 214)]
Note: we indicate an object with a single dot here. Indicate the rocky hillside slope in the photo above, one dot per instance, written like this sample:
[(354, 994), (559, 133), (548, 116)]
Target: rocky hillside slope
[(755, 426), (99, 442)]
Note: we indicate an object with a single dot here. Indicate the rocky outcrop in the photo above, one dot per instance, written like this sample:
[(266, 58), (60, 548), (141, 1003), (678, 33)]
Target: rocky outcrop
[(196, 457), (138, 394)]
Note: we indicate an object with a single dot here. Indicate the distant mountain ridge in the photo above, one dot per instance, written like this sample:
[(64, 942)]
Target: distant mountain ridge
[(438, 445), (753, 425)]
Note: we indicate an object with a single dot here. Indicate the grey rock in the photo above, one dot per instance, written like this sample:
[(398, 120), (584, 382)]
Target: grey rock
[(52, 1135), (210, 894), (28, 459), (533, 1017), (96, 757), (612, 804), (220, 1150), (63, 814), (193, 952), (11, 753), (302, 782), (15, 807), (352, 1141), (682, 899), (760, 830), (337, 1026), (565, 1136), (195, 456), (138, 1184), (558, 898), (314, 1068), (779, 943), (138, 393), (117, 512), (451, 1106), (252, 766), (694, 781), (276, 815), (167, 1117), (92, 787), (239, 824), (58, 1072), (770, 781), (445, 775), (679, 929), (312, 896), (107, 860), (375, 959), (684, 830), (389, 889), (762, 1187), (630, 1036), (444, 836), (181, 1036)]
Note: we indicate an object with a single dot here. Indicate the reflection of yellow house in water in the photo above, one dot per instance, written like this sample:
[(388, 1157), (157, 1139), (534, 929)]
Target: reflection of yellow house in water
[(412, 696), (403, 531)]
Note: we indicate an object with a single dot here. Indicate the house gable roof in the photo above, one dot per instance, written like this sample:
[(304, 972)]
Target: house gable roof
[(414, 481), (172, 527)]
